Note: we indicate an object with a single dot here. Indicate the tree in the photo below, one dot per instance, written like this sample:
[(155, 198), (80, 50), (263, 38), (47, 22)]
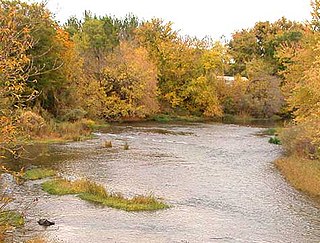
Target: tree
[(15, 66), (262, 42), (130, 83)]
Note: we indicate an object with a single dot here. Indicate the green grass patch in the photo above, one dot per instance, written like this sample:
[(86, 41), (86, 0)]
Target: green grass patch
[(38, 173), (93, 192), (275, 140), (139, 203), (11, 218)]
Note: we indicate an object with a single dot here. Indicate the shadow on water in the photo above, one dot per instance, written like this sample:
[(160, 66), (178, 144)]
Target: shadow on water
[(219, 179)]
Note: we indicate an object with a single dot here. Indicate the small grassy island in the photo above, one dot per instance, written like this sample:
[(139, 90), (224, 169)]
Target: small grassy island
[(93, 192)]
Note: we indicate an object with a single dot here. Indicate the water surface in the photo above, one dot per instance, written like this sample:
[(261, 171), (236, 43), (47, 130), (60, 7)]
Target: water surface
[(219, 179)]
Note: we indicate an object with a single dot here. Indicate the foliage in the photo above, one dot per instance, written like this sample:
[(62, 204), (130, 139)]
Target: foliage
[(187, 67), (262, 42), (31, 123), (302, 91), (130, 83)]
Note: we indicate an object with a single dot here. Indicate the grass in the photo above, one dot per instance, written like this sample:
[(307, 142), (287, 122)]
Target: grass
[(302, 173), (275, 140), (11, 218), (38, 173), (126, 146), (93, 192), (139, 203), (36, 240), (107, 144), (64, 187)]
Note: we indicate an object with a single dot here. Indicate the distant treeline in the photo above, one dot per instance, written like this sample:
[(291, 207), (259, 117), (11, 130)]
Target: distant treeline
[(109, 68)]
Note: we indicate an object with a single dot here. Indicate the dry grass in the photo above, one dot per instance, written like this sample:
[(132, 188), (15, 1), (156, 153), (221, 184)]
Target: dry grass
[(303, 174), (107, 144), (64, 187), (126, 146), (37, 240)]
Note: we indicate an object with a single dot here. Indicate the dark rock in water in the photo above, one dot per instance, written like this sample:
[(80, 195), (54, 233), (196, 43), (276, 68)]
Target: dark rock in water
[(45, 222)]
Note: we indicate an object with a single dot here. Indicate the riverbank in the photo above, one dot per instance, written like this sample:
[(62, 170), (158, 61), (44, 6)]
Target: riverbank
[(302, 173)]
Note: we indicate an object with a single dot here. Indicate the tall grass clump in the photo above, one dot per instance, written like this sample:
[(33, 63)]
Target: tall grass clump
[(107, 144), (126, 146)]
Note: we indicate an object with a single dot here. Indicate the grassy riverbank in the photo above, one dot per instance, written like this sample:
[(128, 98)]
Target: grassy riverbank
[(93, 192), (302, 173)]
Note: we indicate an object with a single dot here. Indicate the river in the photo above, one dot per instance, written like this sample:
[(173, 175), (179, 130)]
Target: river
[(219, 180)]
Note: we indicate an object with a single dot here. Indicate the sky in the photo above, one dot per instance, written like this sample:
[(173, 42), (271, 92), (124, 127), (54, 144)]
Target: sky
[(200, 18)]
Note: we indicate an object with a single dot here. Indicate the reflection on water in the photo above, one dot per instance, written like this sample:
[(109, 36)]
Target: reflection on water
[(219, 179)]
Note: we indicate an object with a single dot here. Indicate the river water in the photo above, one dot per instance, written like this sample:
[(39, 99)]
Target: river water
[(219, 179)]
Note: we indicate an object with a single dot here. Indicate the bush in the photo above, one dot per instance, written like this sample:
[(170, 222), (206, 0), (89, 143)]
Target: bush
[(302, 139), (75, 130), (74, 115), (31, 123)]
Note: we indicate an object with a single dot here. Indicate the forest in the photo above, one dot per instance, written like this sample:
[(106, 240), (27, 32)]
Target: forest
[(60, 81)]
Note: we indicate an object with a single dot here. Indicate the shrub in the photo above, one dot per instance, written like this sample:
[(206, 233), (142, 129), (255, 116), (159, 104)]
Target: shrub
[(74, 115), (302, 139), (31, 123)]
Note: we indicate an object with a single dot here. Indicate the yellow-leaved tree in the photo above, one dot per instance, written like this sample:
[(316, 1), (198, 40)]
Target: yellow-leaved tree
[(130, 83), (302, 91), (15, 65)]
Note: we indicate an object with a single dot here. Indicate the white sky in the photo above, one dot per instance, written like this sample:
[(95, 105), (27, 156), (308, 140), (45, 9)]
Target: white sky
[(196, 18)]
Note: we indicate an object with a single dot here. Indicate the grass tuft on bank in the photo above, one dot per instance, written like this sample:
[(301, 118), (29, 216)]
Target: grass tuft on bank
[(93, 192), (11, 218), (275, 140), (302, 173), (38, 173)]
